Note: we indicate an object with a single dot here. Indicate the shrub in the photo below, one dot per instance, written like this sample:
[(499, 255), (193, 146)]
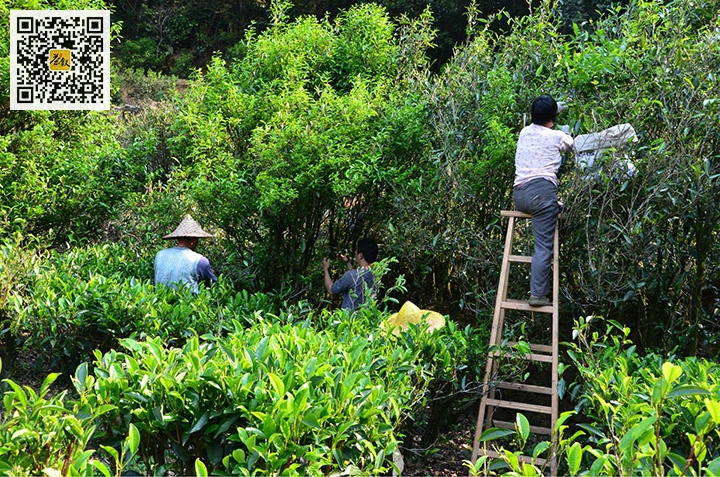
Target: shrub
[(248, 404), (647, 414), (51, 435), (636, 248), (639, 414), (18, 259), (144, 53), (294, 149), (86, 299)]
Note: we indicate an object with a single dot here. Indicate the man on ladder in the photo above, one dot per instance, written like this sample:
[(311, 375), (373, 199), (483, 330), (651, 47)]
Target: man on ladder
[(537, 160)]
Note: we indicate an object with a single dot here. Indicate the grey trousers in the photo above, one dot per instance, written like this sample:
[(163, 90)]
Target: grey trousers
[(539, 198)]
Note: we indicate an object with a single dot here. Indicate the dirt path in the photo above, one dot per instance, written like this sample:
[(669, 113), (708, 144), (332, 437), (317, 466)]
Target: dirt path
[(453, 447)]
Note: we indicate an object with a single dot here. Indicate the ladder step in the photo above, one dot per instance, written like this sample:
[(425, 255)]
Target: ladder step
[(534, 357), (526, 459), (515, 213), (534, 429), (519, 259), (530, 388), (535, 347), (519, 406), (524, 306)]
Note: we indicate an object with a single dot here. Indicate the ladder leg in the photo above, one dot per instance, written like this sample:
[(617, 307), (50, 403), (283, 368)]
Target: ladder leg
[(555, 347), (541, 353), (495, 339)]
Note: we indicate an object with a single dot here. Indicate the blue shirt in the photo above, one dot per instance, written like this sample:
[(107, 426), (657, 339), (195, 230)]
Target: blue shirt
[(182, 265), (352, 285)]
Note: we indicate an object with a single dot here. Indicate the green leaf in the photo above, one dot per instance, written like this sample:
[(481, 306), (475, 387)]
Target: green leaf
[(659, 390), (200, 423), (101, 467), (701, 421), (598, 466), (713, 408), (688, 390), (574, 458), (277, 385), (530, 470), (523, 426), (225, 425), (679, 462), (214, 452), (80, 460), (495, 433), (104, 409), (592, 430), (200, 469), (713, 467), (81, 374), (540, 448), (671, 372), (47, 383), (112, 451), (311, 420), (636, 432), (159, 416), (133, 439)]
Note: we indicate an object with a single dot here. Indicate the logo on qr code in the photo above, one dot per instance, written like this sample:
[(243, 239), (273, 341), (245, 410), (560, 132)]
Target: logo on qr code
[(60, 59)]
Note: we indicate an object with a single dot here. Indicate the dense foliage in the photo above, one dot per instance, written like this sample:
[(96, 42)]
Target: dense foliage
[(295, 149), (641, 415), (175, 37), (241, 403), (639, 248), (62, 173)]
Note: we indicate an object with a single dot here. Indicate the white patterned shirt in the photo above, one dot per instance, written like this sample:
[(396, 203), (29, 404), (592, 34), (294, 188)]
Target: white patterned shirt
[(539, 153)]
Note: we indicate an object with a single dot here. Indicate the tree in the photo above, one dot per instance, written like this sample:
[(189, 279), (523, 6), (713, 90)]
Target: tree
[(295, 148)]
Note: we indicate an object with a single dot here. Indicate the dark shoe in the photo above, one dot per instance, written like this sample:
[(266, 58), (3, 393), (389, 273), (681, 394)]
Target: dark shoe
[(538, 301)]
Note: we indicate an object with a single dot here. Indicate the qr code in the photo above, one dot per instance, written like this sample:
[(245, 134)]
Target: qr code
[(60, 59)]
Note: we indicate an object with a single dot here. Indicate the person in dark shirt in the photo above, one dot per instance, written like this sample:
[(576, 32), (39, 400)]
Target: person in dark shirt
[(354, 281)]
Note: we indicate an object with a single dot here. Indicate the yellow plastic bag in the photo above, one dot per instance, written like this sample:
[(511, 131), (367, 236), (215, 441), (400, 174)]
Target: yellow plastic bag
[(410, 314)]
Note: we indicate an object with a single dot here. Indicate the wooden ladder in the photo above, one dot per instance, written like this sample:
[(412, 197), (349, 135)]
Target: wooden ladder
[(540, 353)]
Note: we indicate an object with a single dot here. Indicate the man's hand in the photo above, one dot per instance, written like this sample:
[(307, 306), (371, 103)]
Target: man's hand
[(326, 275)]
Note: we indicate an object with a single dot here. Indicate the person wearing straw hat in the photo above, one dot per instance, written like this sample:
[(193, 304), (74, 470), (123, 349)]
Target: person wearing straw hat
[(181, 264)]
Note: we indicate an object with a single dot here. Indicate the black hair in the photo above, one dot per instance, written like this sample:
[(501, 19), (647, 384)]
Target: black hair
[(544, 110), (369, 249)]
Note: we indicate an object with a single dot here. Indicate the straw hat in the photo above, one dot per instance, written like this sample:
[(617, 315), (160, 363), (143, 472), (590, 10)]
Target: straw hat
[(188, 228)]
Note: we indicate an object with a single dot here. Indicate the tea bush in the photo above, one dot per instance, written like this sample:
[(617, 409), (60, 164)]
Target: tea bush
[(62, 173), (639, 248), (273, 398), (18, 259), (644, 243), (277, 394), (51, 435), (294, 148), (648, 414), (72, 303)]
